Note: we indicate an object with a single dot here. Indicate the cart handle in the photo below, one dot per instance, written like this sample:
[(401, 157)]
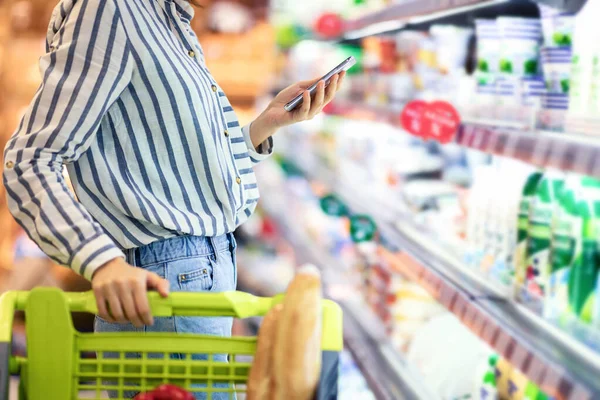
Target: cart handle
[(225, 304), (202, 304)]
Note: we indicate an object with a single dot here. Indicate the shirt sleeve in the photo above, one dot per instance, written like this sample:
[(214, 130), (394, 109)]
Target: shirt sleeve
[(87, 66), (260, 153)]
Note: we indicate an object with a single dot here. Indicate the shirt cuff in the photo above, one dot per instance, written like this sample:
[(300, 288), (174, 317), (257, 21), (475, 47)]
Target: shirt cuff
[(260, 153), (93, 254)]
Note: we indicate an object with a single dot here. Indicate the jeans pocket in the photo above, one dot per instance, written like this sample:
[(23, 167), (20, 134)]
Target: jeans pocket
[(195, 274)]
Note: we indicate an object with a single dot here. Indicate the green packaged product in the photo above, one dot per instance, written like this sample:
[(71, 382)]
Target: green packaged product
[(533, 392), (584, 275), (565, 245), (540, 233), (520, 258)]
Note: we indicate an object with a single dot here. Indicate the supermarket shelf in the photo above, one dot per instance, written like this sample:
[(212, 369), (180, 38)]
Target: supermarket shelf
[(398, 15), (416, 12), (563, 367), (545, 149), (567, 152), (389, 375)]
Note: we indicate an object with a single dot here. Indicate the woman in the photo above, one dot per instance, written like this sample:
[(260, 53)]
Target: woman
[(160, 166)]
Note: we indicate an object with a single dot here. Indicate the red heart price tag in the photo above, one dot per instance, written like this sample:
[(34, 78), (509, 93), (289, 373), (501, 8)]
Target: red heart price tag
[(440, 121), (411, 118)]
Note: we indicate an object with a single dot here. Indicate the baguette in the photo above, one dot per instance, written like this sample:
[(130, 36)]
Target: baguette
[(297, 350), (261, 374)]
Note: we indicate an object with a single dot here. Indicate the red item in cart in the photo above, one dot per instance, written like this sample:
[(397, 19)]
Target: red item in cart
[(166, 392), (145, 396)]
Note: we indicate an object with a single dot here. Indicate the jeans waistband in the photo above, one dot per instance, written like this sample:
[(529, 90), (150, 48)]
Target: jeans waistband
[(179, 247)]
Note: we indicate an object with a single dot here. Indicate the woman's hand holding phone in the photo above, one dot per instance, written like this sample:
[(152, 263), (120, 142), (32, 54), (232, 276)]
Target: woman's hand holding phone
[(276, 116)]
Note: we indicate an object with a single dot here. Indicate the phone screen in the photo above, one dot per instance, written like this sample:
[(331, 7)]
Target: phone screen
[(344, 66)]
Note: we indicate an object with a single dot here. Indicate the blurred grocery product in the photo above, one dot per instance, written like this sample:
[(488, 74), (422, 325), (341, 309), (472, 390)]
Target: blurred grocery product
[(520, 45), (329, 25), (556, 63), (435, 355), (540, 228), (488, 46), (583, 67), (566, 244), (452, 44), (557, 26), (230, 17)]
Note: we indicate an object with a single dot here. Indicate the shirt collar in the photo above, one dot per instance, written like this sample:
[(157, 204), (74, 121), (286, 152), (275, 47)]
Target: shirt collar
[(184, 8)]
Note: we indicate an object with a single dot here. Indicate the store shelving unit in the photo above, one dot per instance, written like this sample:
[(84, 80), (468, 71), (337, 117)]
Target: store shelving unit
[(396, 16), (414, 12), (389, 375), (563, 367), (559, 364), (567, 152)]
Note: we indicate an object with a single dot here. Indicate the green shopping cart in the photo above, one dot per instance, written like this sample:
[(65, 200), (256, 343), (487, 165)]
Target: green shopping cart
[(58, 365)]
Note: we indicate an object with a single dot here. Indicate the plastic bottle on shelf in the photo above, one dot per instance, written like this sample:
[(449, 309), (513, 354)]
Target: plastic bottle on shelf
[(490, 221), (540, 232), (584, 46), (520, 258), (595, 298), (584, 273), (595, 73), (565, 245), (511, 177), (476, 218)]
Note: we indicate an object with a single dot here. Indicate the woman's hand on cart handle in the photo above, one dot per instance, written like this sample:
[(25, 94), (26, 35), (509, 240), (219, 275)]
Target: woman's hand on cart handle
[(121, 292), (275, 116)]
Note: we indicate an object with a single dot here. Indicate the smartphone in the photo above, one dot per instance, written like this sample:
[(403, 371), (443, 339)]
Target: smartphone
[(344, 66)]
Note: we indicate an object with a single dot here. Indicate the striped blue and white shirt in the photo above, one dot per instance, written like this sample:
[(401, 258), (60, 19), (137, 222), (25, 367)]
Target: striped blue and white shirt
[(151, 143)]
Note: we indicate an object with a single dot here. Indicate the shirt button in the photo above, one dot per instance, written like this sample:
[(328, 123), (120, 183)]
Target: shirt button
[(9, 164), (238, 180), (191, 53), (214, 88), (226, 133)]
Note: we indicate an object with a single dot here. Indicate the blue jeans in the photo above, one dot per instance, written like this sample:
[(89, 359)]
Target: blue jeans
[(190, 264)]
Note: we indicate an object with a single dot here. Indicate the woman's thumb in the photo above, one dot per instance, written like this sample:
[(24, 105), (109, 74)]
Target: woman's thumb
[(158, 283)]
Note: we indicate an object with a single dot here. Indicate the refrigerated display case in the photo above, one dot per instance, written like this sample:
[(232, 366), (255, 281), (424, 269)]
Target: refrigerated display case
[(449, 209)]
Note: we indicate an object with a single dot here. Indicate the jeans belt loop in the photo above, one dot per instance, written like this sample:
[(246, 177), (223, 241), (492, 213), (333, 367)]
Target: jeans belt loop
[(132, 255), (231, 240), (213, 244)]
